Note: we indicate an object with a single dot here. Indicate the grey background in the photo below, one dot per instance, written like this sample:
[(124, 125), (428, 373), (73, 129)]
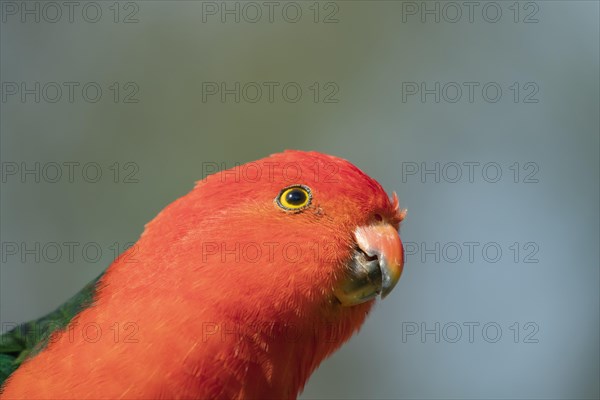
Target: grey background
[(170, 134)]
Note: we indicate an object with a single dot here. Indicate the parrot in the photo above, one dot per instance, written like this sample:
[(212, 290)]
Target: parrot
[(237, 290)]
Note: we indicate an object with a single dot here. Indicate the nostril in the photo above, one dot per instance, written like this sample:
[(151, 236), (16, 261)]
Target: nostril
[(366, 256), (371, 258), (378, 217)]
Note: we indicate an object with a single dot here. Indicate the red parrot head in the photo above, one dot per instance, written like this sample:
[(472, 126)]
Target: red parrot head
[(304, 228)]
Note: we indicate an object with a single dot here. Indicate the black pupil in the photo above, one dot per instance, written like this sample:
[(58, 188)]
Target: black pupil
[(296, 197)]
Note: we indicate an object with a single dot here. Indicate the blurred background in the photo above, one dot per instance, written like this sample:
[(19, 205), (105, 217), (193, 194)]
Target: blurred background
[(484, 117)]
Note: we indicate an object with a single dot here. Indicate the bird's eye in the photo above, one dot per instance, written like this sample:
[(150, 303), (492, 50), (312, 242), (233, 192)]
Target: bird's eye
[(294, 198)]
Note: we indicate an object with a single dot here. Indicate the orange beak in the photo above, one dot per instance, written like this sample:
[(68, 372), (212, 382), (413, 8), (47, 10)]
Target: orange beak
[(375, 267)]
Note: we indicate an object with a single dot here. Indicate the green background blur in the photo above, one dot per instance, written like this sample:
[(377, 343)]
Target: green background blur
[(154, 62)]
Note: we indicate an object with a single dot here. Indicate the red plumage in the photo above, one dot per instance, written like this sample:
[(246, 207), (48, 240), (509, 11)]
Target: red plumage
[(225, 295)]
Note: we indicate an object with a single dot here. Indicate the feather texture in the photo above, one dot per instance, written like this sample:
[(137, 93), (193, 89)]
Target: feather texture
[(225, 295)]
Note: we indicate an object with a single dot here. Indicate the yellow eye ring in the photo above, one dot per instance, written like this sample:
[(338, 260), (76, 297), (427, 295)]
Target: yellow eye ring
[(294, 198)]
